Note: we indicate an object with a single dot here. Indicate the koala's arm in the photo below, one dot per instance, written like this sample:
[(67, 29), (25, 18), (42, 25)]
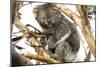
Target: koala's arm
[(73, 39), (62, 31)]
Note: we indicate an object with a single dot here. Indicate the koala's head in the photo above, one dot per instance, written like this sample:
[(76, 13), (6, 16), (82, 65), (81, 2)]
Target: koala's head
[(47, 16)]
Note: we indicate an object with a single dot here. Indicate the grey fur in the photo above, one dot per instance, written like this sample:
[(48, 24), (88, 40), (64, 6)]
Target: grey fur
[(64, 41)]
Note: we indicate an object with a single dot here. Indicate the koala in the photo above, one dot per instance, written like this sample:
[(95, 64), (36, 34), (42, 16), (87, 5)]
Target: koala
[(64, 40)]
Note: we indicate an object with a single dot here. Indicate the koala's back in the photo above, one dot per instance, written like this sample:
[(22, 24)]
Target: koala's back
[(74, 39), (65, 27)]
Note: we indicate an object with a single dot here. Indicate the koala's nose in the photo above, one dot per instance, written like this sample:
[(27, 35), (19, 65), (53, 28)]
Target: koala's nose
[(49, 20)]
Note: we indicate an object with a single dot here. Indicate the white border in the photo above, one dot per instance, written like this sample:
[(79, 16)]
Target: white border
[(4, 33), (89, 2)]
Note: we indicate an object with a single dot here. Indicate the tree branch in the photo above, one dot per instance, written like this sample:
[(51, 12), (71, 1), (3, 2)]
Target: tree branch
[(87, 33), (40, 58)]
